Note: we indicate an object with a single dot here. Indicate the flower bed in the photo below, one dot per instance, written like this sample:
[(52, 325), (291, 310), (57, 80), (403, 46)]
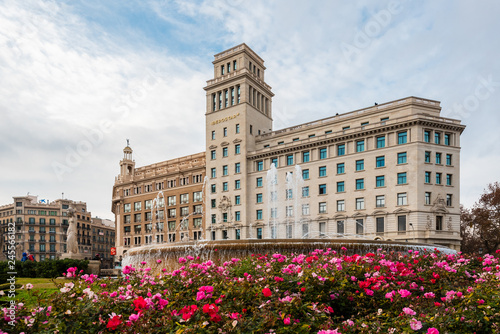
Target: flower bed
[(320, 292)]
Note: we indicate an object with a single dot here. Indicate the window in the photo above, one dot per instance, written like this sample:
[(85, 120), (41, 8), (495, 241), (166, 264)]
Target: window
[(380, 161), (340, 187), (380, 142), (224, 170), (427, 157), (259, 182), (401, 158), (184, 198), (360, 184), (237, 149), (224, 186), (402, 137), (439, 223), (448, 160), (322, 171), (184, 211), (448, 199), (380, 201), (322, 153), (360, 165), (213, 203), (448, 179), (305, 191), (322, 228), (224, 151), (224, 131), (305, 209), (427, 197), (260, 165), (224, 217), (359, 226), (360, 203), (289, 160), (360, 146), (212, 188), (238, 234), (346, 127), (274, 161), (288, 211), (295, 139), (380, 181), (312, 136), (340, 205), (341, 168), (237, 126), (438, 178), (305, 174), (222, 70), (251, 129), (341, 149), (259, 198), (437, 137), (305, 156), (237, 216), (237, 184), (237, 200), (447, 139), (322, 189), (213, 219), (402, 178), (427, 177), (259, 214), (212, 154), (427, 136), (322, 207), (127, 207), (401, 223), (234, 65), (259, 232), (237, 168), (402, 200), (340, 226), (380, 224)]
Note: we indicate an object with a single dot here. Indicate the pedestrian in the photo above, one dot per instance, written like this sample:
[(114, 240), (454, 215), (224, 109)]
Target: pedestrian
[(31, 258), (25, 257)]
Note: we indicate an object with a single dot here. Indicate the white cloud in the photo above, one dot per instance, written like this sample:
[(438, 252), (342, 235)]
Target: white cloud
[(62, 72)]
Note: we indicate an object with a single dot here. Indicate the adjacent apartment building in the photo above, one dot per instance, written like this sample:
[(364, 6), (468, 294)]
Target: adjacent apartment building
[(389, 171), (41, 229)]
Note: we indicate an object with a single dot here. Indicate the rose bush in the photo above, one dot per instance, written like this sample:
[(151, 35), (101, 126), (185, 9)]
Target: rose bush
[(320, 292)]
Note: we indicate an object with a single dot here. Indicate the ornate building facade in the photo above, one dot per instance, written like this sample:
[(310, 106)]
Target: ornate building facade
[(41, 228), (389, 171)]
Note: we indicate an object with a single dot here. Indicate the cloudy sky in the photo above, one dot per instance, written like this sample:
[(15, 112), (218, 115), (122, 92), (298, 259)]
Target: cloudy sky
[(79, 77)]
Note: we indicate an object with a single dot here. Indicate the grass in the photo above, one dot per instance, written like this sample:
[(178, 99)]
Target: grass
[(42, 288)]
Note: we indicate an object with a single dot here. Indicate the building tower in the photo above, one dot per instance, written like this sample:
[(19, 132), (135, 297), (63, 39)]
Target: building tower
[(238, 109)]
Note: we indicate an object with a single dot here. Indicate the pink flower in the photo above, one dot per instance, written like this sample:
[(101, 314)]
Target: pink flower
[(415, 324), (409, 311), (480, 302), (182, 260), (404, 293), (286, 321), (432, 330), (369, 292), (267, 292), (200, 295), (133, 317), (429, 295), (158, 261)]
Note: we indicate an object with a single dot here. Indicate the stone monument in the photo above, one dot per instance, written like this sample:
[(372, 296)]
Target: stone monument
[(72, 251)]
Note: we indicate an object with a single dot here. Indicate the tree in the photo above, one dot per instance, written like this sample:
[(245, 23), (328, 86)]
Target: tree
[(480, 226)]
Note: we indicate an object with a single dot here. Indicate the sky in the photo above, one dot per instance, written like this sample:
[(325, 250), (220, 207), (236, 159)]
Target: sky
[(78, 78)]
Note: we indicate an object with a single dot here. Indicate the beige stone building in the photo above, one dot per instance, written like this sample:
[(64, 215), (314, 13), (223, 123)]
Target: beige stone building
[(389, 171), (41, 228)]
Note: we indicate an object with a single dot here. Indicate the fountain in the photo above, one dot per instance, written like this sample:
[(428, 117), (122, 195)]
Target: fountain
[(287, 231)]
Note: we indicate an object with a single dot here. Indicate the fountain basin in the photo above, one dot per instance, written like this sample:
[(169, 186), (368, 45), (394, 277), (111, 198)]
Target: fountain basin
[(224, 250)]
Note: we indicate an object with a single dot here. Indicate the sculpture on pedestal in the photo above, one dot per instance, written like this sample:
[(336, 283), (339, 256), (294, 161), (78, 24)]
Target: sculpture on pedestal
[(71, 242)]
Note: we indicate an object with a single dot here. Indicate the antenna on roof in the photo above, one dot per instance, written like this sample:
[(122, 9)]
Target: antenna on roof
[(376, 103), (127, 143)]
